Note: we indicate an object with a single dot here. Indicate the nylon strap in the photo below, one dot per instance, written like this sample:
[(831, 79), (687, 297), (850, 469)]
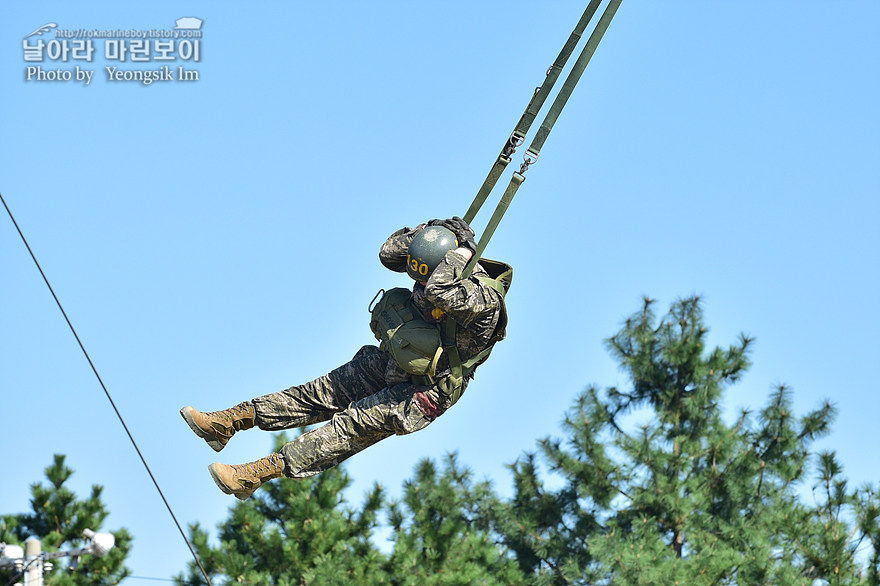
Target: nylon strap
[(528, 117), (573, 77), (495, 284), (535, 104), (447, 334), (489, 184), (515, 181), (458, 369)]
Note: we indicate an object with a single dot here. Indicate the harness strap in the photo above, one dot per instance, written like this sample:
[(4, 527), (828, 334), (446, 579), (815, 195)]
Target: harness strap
[(447, 332), (573, 77), (489, 184), (457, 375), (495, 284), (460, 369), (537, 101), (515, 181), (518, 136)]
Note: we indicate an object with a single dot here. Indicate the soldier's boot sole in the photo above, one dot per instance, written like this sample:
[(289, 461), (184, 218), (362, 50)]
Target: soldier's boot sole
[(217, 443), (243, 480), (220, 474)]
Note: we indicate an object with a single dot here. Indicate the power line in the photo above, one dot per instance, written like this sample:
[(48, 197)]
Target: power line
[(106, 392)]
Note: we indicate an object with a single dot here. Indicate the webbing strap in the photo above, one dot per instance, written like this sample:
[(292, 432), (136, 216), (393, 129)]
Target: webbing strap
[(459, 369), (471, 362), (537, 101), (534, 149), (495, 284), (535, 104), (573, 77), (515, 181), (487, 187), (447, 334)]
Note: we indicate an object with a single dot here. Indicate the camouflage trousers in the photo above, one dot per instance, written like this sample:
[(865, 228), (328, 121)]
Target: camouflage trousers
[(360, 405)]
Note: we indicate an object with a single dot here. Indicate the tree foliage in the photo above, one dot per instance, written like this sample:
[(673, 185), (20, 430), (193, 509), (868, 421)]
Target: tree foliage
[(58, 518), (441, 531), (653, 483), (304, 532), (294, 532), (686, 497)]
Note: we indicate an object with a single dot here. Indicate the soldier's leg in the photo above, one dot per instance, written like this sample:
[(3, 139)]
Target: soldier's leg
[(297, 406), (318, 400), (400, 409)]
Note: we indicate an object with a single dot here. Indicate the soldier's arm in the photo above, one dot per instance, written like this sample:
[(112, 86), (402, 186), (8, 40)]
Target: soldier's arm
[(393, 252), (464, 300)]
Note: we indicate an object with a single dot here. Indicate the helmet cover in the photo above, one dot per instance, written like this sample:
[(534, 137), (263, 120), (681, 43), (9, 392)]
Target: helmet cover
[(427, 249)]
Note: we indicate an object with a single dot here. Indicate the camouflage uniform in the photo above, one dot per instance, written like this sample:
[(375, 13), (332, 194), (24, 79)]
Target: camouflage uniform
[(371, 398)]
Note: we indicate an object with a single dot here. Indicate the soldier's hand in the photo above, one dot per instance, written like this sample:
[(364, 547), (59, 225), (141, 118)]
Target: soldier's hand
[(463, 232)]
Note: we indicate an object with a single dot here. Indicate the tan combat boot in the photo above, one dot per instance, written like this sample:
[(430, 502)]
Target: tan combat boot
[(242, 480), (216, 427)]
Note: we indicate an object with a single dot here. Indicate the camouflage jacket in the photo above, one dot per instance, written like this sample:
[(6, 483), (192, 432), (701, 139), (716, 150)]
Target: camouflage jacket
[(475, 307)]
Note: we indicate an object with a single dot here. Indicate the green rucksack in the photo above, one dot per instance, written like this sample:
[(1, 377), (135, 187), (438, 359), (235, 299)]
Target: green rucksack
[(414, 343)]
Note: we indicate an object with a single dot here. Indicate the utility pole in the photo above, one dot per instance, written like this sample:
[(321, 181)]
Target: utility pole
[(32, 561)]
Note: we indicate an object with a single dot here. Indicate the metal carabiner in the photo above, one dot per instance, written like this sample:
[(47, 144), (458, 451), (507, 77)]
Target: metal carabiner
[(513, 142), (529, 158)]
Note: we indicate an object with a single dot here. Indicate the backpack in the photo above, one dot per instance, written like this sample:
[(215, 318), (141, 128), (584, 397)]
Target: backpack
[(416, 345)]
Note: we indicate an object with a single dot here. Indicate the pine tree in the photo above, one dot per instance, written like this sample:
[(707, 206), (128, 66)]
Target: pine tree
[(840, 522), (293, 532), (441, 535), (686, 498), (303, 532), (58, 519)]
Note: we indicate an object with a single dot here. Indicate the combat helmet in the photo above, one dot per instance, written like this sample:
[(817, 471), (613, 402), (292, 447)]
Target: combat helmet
[(427, 250)]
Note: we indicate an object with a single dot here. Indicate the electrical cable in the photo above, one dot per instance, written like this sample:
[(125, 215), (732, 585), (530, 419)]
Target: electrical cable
[(16, 574), (107, 393)]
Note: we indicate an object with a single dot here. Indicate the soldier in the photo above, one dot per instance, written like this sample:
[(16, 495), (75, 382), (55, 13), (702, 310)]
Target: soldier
[(432, 339)]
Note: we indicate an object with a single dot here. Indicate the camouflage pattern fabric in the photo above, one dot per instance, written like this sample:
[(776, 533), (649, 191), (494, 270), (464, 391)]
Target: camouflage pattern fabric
[(370, 398), (475, 307)]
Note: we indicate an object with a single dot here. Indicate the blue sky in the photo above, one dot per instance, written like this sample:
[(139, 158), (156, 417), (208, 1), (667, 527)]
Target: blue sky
[(217, 240)]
